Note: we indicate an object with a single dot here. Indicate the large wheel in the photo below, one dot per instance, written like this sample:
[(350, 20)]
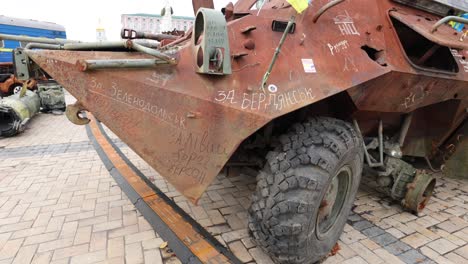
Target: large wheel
[(306, 190)]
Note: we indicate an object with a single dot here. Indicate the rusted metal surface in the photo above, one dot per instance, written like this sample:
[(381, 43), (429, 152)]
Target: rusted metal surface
[(454, 154), (187, 125), (197, 4), (419, 192)]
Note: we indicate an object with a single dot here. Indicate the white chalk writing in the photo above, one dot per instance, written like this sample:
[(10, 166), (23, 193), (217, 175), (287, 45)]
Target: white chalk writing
[(338, 47), (415, 97), (159, 79), (144, 105), (349, 65), (261, 101), (346, 25)]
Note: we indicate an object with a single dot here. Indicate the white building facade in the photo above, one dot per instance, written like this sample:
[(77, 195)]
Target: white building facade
[(156, 24)]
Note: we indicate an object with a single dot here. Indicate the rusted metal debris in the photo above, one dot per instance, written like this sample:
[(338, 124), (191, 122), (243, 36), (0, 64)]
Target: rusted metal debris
[(365, 62)]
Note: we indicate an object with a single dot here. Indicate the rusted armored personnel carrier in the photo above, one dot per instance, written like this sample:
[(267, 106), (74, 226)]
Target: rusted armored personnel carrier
[(313, 97)]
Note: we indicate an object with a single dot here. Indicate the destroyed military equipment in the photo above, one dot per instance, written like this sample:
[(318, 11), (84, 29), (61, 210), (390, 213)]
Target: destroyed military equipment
[(52, 96), (9, 84), (345, 85), (16, 110)]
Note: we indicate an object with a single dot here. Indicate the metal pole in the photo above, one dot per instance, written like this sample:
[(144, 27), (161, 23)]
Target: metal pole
[(366, 153), (277, 51), (154, 53), (96, 45), (405, 128), (43, 46), (89, 65)]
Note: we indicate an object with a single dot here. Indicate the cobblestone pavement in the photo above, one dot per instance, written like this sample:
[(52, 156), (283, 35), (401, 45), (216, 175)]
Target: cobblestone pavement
[(58, 204)]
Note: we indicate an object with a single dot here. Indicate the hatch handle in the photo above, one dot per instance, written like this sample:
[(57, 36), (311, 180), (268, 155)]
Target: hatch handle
[(448, 19), (325, 8)]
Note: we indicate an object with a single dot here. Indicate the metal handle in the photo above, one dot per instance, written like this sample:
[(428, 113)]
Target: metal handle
[(133, 34), (325, 8), (65, 44), (447, 19)]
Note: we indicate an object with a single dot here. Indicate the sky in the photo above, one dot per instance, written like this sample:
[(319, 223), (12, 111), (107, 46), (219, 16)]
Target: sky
[(81, 18)]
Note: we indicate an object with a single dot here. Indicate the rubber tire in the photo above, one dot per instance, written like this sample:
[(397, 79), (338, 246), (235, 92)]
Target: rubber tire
[(296, 176)]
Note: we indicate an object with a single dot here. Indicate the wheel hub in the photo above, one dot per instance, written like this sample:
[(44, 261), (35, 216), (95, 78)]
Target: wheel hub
[(332, 202)]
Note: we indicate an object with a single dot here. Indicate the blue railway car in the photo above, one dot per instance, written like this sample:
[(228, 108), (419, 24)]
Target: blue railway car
[(26, 27)]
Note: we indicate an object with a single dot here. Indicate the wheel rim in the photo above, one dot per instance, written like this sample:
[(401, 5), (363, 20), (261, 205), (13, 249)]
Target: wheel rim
[(17, 89), (333, 201)]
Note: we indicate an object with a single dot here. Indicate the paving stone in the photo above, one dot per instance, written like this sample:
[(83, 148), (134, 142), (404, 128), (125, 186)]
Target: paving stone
[(248, 242), (98, 241), (235, 222), (351, 237), (455, 258), (355, 260), (453, 224), (235, 235), (216, 217), (364, 224), (373, 231), (442, 245), (152, 243), (133, 253), (416, 240), (55, 244), (240, 251), (384, 239), (463, 251), (389, 258), (259, 256), (333, 259), (428, 252), (70, 251), (365, 253), (10, 248), (107, 225), (397, 248), (138, 237), (153, 257), (91, 257), (395, 232), (345, 251), (115, 247), (216, 230), (25, 254), (231, 209), (42, 258), (412, 256), (83, 235), (41, 238)]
